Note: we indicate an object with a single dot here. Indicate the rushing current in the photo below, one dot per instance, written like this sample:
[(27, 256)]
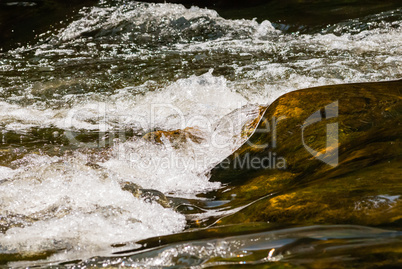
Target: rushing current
[(75, 108)]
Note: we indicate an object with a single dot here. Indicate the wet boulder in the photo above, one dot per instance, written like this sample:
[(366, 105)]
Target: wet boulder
[(324, 155)]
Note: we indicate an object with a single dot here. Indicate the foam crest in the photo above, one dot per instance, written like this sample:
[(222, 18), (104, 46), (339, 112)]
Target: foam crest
[(161, 23), (202, 103), (195, 101)]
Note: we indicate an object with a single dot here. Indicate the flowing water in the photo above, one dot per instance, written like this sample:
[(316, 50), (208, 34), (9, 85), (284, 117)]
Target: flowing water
[(79, 179)]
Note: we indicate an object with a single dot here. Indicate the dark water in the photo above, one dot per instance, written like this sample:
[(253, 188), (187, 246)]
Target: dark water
[(81, 185)]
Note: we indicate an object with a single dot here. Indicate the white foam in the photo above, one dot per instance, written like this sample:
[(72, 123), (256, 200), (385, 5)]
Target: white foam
[(85, 209), (199, 102), (195, 101), (6, 172), (167, 19), (80, 208)]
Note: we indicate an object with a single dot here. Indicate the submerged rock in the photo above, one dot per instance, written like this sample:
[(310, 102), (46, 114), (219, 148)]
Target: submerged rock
[(147, 195), (175, 137), (324, 155)]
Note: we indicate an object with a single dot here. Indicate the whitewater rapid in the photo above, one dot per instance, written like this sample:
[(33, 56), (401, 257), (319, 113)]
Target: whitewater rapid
[(145, 67)]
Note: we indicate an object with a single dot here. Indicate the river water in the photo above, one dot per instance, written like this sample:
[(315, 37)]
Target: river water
[(75, 106)]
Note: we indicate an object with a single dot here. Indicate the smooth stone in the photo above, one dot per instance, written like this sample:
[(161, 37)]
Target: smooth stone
[(364, 185)]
